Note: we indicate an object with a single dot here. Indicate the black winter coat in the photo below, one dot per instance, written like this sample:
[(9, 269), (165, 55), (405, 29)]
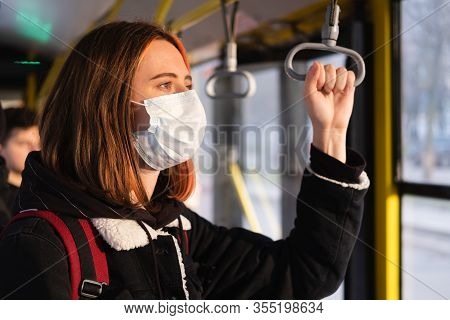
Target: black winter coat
[(214, 262)]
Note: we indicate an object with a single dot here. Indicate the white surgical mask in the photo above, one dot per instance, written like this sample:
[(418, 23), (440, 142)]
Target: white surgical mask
[(174, 130)]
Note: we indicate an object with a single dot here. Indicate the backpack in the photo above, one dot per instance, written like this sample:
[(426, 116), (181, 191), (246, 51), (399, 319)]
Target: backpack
[(88, 266)]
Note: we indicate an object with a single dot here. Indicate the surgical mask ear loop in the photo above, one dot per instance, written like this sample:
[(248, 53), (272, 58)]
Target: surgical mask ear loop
[(139, 103), (154, 121)]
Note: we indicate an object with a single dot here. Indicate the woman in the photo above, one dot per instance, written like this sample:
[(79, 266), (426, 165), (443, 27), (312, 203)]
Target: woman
[(118, 132)]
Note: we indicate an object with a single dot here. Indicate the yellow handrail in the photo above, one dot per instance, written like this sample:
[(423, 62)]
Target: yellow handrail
[(266, 206), (161, 11), (196, 15), (244, 197)]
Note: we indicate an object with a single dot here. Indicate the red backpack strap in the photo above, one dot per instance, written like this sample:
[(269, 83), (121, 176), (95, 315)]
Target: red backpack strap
[(98, 255), (87, 261)]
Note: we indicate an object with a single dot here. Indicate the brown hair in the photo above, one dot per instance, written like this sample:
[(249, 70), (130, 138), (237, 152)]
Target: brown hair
[(87, 121)]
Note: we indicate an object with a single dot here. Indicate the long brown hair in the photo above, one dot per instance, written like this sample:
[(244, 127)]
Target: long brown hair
[(87, 120)]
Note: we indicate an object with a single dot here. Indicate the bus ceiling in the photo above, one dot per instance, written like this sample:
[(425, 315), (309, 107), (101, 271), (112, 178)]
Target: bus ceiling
[(48, 28)]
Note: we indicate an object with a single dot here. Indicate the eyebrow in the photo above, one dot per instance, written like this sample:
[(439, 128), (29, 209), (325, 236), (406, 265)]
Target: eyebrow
[(169, 74)]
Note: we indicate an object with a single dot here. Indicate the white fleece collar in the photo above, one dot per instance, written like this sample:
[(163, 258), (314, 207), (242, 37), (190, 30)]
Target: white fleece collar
[(123, 234)]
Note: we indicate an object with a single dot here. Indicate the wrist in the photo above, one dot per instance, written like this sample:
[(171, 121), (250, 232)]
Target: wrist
[(331, 142)]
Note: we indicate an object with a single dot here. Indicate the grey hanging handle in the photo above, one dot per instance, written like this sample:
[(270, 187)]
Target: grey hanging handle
[(288, 68), (230, 63), (330, 33), (222, 74), (230, 71)]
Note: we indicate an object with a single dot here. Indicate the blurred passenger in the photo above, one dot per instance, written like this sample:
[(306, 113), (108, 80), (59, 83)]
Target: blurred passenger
[(121, 126), (20, 138)]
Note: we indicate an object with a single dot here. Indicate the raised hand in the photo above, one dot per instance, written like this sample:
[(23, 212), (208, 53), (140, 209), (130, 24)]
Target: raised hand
[(329, 97)]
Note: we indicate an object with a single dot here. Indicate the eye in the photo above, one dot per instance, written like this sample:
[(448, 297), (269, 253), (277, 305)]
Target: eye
[(165, 85), (189, 86)]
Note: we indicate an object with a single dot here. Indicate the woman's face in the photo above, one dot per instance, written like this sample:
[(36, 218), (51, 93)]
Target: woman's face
[(161, 71)]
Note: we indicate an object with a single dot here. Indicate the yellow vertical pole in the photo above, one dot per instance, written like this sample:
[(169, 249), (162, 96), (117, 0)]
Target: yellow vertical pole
[(31, 91), (387, 203), (31, 87)]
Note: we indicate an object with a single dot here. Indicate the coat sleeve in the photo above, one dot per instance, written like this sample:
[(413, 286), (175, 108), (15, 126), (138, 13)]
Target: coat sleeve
[(309, 264), (33, 262)]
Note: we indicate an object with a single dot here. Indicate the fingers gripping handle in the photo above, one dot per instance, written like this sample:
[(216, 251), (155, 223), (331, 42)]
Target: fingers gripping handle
[(356, 57)]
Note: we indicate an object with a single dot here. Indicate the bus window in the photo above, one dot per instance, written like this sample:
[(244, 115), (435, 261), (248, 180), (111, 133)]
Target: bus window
[(425, 148)]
